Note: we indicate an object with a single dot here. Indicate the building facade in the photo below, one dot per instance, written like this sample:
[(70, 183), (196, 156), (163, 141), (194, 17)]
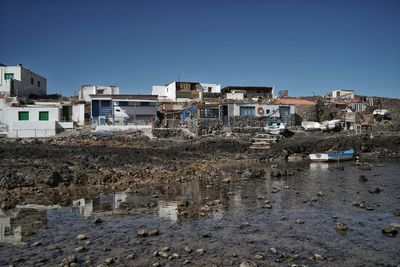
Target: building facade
[(184, 91), (86, 90), (123, 109), (19, 81)]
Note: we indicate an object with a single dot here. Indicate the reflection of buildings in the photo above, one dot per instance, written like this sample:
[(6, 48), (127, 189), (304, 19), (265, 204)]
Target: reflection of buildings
[(113, 202), (168, 210), (20, 222)]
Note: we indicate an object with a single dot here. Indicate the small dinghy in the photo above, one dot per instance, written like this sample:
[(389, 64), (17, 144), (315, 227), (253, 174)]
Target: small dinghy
[(338, 155)]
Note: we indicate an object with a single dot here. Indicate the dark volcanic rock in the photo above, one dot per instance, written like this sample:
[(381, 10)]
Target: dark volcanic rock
[(253, 173), (11, 180), (53, 180)]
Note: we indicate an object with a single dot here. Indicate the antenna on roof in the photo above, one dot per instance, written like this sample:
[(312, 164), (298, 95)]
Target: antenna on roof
[(179, 77)]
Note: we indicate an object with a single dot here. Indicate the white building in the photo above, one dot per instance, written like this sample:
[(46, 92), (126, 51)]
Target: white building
[(86, 90), (39, 120), (184, 91), (123, 112), (19, 81), (342, 94)]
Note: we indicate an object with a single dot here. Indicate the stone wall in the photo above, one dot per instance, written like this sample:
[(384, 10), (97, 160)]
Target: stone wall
[(204, 126), (305, 113), (167, 132), (171, 123), (248, 130)]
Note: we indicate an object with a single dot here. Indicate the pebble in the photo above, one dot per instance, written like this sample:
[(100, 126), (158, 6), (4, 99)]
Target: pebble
[(363, 178), (300, 221), (396, 212), (79, 249), (52, 247), (267, 206), (186, 262), (35, 244), (148, 232), (376, 190), (109, 261), (341, 227), (200, 251), (320, 194), (163, 254), (188, 250), (175, 256), (21, 244), (258, 257), (81, 237), (317, 257), (389, 231), (248, 264), (244, 225), (164, 249), (97, 221), (395, 225), (273, 250)]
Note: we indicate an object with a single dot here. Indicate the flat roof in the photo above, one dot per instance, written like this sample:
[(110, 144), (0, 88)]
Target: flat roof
[(141, 97)]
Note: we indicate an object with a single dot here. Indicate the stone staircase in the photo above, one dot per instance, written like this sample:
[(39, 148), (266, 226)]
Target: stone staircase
[(263, 141)]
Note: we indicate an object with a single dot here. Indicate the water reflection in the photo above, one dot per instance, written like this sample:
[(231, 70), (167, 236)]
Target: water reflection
[(20, 222)]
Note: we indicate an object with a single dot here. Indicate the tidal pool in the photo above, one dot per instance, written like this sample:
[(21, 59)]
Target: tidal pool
[(230, 218)]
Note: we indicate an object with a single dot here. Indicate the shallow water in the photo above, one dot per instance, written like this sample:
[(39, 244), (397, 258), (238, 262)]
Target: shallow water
[(180, 212)]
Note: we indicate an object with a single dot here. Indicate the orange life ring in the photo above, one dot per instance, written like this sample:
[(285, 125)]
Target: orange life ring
[(260, 111)]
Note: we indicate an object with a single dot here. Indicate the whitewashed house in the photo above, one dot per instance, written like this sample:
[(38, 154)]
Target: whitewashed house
[(86, 90), (184, 91), (20, 81)]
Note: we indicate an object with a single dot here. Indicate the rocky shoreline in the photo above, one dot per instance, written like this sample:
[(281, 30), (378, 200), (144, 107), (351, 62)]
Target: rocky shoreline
[(61, 169)]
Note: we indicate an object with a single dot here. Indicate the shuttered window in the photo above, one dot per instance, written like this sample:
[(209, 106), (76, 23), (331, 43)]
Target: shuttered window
[(8, 76), (23, 115), (43, 115)]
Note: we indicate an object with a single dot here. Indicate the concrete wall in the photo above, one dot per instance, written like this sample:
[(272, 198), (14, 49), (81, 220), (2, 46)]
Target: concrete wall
[(266, 107), (32, 127), (21, 129), (87, 90), (235, 96), (25, 82), (248, 121), (78, 114)]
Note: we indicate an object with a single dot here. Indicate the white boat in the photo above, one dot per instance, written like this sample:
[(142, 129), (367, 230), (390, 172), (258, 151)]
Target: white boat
[(338, 155), (275, 127), (311, 125), (330, 125), (382, 112)]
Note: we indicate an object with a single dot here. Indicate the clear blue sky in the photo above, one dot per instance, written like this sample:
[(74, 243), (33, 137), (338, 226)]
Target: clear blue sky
[(302, 46)]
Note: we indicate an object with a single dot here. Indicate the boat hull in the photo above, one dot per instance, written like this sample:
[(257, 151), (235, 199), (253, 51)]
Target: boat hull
[(340, 155)]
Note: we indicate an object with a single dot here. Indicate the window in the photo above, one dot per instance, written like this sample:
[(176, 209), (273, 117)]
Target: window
[(248, 111), (38, 83), (23, 115), (31, 80), (209, 89), (209, 113), (8, 76), (100, 91), (145, 103), (267, 111), (43, 115)]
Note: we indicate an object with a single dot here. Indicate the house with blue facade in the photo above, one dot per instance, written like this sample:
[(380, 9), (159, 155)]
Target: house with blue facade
[(123, 109)]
